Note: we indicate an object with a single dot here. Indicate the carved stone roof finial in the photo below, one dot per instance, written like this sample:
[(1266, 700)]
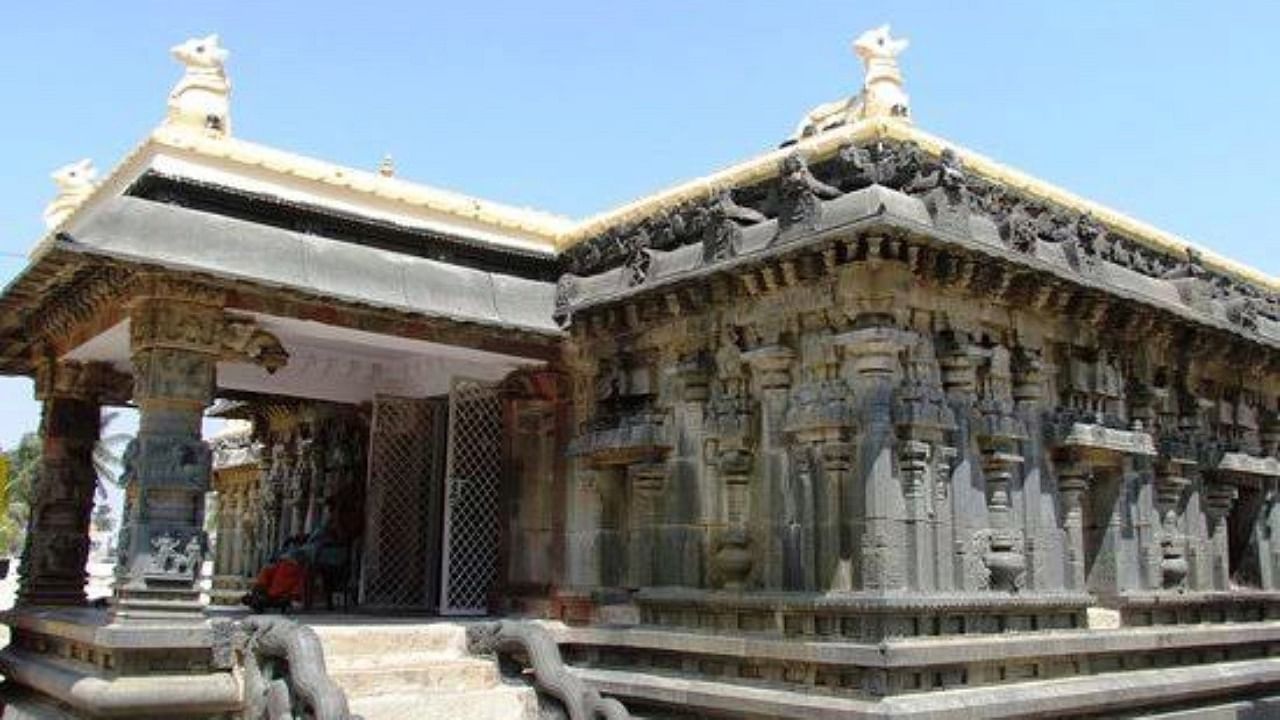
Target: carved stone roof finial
[(387, 168), (201, 99), (881, 96), (75, 183)]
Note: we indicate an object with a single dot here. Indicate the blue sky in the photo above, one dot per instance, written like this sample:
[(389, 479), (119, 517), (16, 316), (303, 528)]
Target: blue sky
[(1163, 110)]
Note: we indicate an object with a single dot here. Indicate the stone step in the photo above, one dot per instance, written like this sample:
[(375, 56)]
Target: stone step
[(416, 674), (440, 639), (499, 703)]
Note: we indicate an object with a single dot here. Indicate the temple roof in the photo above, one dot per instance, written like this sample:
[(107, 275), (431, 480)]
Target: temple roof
[(827, 144), (232, 162), (371, 193), (195, 142), (194, 148)]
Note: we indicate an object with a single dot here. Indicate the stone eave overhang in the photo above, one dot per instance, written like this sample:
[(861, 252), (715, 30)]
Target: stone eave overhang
[(71, 279), (879, 210), (54, 270), (826, 145)]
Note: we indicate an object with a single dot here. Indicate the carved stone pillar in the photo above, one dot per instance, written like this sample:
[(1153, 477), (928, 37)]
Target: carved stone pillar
[(958, 362), (176, 344), (57, 546), (648, 481), (1073, 481), (999, 434), (1218, 499), (1271, 531), (944, 520), (733, 558), (1171, 482), (924, 419), (873, 369), (771, 376), (835, 557)]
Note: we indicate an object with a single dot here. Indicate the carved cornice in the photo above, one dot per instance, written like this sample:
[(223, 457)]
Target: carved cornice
[(96, 292), (177, 288)]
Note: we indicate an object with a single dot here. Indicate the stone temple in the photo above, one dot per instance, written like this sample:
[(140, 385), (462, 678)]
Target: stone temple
[(867, 426)]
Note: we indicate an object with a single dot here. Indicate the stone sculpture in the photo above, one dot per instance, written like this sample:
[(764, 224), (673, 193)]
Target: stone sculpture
[(882, 93), (201, 99), (75, 183)]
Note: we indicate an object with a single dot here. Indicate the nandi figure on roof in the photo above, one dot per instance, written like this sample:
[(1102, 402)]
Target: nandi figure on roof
[(201, 99), (75, 183), (882, 94)]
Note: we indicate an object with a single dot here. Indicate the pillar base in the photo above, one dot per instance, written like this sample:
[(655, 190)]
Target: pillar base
[(92, 666)]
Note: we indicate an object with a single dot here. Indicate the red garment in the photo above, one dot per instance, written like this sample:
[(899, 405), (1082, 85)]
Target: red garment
[(281, 579)]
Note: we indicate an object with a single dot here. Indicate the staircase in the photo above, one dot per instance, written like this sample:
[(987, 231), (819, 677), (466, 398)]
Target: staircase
[(418, 671)]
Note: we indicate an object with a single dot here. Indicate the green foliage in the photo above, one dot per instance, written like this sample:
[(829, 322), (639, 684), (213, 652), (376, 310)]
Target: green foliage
[(23, 468), (107, 452), (18, 484)]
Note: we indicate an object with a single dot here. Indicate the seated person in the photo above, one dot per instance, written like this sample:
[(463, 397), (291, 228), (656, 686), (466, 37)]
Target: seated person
[(280, 582), (325, 556)]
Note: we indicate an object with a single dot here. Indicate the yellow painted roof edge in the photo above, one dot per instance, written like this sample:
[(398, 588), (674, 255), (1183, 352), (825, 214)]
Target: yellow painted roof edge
[(559, 233), (534, 223)]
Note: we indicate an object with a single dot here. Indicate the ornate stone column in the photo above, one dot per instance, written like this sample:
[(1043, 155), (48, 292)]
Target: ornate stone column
[(958, 360), (1073, 481), (57, 546), (733, 558), (1218, 499), (924, 419), (178, 333), (1000, 433), (871, 353), (1171, 482), (729, 455), (175, 340), (771, 377), (648, 481)]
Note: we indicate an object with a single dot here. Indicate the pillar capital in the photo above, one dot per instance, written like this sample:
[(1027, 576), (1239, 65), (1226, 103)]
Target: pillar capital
[(93, 382)]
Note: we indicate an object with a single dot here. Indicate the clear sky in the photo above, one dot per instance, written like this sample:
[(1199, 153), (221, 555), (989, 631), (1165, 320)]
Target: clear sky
[(1165, 110)]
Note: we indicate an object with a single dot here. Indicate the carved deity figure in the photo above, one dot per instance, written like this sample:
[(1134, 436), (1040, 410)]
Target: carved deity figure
[(945, 190), (170, 557), (201, 99), (566, 293), (1018, 227), (723, 220), (882, 92), (800, 193), (75, 183)]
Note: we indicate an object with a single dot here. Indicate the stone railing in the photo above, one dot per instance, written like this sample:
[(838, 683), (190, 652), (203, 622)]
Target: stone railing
[(551, 677), (285, 675)]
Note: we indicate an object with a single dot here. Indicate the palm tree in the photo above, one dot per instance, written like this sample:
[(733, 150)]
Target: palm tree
[(106, 454)]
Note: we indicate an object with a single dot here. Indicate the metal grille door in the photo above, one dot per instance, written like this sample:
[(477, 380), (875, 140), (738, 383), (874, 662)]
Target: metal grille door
[(472, 479), (399, 504)]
